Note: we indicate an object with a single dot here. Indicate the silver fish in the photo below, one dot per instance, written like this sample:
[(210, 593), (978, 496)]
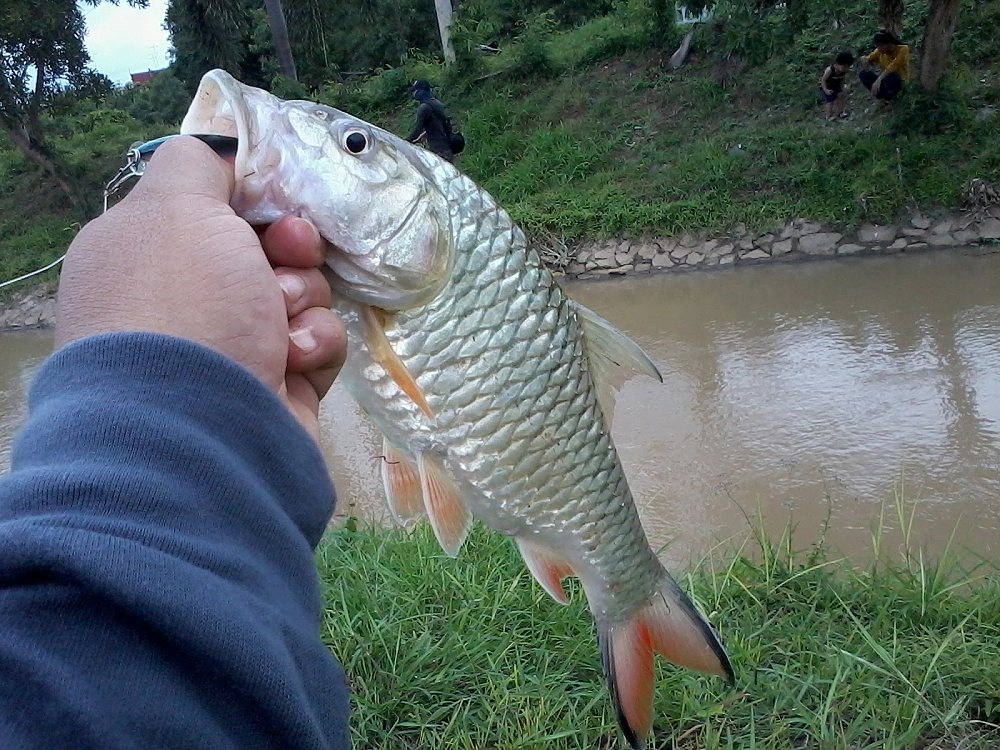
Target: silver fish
[(492, 388)]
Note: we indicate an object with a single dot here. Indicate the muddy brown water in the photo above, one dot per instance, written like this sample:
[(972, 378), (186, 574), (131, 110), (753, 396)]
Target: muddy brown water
[(811, 394)]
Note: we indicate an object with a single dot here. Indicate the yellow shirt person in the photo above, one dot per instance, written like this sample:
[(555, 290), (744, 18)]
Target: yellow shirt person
[(893, 58)]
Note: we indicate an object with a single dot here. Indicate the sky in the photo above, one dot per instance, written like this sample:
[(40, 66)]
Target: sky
[(122, 40)]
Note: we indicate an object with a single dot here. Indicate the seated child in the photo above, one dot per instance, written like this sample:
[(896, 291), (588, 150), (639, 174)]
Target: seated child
[(831, 85)]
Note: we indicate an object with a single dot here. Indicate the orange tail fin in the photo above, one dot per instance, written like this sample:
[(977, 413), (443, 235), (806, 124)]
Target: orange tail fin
[(670, 626)]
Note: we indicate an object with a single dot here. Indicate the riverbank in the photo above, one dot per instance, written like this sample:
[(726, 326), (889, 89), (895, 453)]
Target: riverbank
[(470, 653), (798, 240)]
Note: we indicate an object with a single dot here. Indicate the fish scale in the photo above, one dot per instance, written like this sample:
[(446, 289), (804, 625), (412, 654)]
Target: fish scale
[(489, 384)]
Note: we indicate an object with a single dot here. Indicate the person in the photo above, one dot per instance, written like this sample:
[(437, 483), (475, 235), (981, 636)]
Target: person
[(157, 526), (831, 85), (893, 58), (433, 126)]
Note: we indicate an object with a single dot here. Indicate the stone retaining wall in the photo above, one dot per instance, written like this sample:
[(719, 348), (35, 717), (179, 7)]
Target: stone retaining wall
[(799, 239)]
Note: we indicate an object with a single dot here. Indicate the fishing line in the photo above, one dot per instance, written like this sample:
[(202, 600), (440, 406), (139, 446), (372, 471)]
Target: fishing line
[(53, 264)]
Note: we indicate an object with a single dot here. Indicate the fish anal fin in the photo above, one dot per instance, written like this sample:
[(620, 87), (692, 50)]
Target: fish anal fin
[(548, 567), (446, 510), (402, 485), (374, 321), (628, 667)]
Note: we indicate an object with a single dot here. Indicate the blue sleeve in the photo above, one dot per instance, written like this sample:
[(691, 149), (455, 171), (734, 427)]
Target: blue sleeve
[(157, 584)]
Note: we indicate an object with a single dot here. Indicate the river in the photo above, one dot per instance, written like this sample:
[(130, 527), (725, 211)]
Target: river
[(814, 395)]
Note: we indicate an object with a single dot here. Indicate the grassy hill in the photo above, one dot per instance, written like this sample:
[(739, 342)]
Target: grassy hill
[(588, 132)]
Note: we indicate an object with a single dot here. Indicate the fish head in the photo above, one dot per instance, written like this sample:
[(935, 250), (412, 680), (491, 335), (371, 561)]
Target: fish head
[(370, 194)]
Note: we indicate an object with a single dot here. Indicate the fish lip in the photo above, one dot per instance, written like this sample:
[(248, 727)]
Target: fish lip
[(206, 111)]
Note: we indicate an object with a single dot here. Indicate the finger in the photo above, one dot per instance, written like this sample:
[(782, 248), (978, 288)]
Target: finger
[(302, 288), (293, 241), (317, 347), (303, 400), (186, 167)]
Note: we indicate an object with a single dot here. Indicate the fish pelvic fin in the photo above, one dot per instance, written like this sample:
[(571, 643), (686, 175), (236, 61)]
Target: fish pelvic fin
[(547, 566), (402, 484), (450, 518), (374, 321), (671, 626)]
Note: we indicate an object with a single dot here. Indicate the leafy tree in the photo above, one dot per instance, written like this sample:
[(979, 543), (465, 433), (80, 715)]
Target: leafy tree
[(41, 48), (163, 100), (208, 34)]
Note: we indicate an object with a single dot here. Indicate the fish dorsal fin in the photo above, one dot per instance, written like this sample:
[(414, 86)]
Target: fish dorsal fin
[(548, 567), (402, 484), (374, 320), (446, 510), (611, 352)]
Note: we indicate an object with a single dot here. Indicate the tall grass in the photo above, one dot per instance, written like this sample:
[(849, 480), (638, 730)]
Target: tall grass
[(470, 653)]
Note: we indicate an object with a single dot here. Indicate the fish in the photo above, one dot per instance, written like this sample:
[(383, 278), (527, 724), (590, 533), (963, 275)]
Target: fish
[(492, 388)]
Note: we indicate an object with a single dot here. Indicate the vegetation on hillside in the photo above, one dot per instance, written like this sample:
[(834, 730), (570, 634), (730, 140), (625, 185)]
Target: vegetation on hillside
[(579, 127), (471, 653)]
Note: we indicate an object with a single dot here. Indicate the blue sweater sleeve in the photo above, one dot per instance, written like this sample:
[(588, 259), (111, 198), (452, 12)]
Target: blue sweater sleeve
[(157, 584)]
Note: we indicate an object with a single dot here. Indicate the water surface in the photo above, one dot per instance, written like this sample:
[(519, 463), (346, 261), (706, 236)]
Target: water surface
[(808, 393)]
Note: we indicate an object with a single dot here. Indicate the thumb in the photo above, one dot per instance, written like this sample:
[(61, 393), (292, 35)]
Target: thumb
[(185, 166)]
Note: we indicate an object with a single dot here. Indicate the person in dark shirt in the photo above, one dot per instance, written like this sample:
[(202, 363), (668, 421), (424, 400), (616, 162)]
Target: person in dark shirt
[(157, 526), (433, 126), (831, 85)]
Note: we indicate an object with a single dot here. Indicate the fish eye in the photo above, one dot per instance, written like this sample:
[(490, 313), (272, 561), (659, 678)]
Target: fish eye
[(356, 141)]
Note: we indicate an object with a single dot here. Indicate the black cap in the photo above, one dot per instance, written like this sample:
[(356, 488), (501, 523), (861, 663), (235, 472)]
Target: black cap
[(420, 85)]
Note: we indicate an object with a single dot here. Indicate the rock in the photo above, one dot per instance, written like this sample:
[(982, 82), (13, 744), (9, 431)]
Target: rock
[(745, 243), (898, 244), (688, 240), (941, 240), (990, 230), (575, 268), (647, 251), (726, 260), (694, 259), (740, 228), (758, 254), (764, 241), (680, 252), (781, 247), (583, 256), (789, 231), (985, 114), (942, 227), (870, 233), (604, 257), (917, 246), (662, 261), (821, 243), (920, 222), (708, 246), (965, 236), (724, 248), (849, 249), (623, 257), (809, 227), (907, 232), (666, 246)]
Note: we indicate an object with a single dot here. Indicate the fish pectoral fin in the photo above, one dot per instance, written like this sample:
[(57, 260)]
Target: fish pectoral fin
[(373, 321), (668, 625), (548, 567), (609, 352), (446, 510), (402, 484)]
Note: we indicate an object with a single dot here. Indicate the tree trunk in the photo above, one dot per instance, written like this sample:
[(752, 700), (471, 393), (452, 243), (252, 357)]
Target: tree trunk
[(279, 35), (443, 8), (890, 15), (937, 41), (798, 14)]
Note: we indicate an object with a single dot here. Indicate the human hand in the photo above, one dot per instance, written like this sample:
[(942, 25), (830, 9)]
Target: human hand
[(173, 258), (876, 85)]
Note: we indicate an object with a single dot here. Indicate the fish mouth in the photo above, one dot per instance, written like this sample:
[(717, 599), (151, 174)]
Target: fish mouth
[(219, 107)]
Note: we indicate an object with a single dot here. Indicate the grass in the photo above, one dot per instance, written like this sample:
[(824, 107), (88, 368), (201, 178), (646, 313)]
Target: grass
[(470, 653)]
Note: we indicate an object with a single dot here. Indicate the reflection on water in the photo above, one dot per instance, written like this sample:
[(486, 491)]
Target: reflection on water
[(808, 393)]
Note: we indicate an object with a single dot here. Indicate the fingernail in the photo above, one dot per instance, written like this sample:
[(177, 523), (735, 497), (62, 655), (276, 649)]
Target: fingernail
[(292, 286), (303, 338)]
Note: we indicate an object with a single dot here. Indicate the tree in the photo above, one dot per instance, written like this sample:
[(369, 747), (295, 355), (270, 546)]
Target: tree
[(941, 22), (43, 40), (279, 34), (443, 8), (890, 15)]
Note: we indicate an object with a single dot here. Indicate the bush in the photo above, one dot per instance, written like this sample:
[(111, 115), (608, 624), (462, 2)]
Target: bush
[(918, 111)]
